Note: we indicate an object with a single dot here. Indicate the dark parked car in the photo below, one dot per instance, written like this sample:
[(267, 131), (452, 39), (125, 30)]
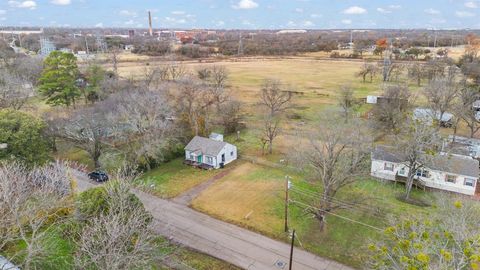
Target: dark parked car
[(98, 176)]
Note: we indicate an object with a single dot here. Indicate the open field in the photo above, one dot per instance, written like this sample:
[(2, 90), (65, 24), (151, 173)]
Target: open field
[(252, 196)]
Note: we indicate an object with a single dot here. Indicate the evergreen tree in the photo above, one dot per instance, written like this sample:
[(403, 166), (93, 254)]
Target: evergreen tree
[(58, 80)]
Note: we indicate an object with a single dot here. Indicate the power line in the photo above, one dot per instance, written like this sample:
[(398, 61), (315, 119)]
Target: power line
[(390, 205), (340, 216), (352, 208), (333, 199)]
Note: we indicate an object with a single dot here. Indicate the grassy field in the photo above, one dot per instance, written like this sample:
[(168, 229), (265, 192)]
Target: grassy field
[(173, 178), (252, 196)]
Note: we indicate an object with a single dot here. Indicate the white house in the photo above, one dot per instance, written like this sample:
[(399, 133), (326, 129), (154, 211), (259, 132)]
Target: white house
[(210, 153), (453, 173)]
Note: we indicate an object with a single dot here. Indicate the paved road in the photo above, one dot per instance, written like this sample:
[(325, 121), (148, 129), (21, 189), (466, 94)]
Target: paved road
[(222, 240)]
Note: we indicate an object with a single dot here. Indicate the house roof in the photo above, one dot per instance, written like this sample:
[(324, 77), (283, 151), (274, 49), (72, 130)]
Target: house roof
[(206, 146), (444, 162), (428, 115)]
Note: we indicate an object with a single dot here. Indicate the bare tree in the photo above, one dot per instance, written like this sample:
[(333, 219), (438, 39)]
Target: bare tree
[(14, 90), (28, 68), (464, 109), (417, 145), (121, 238), (270, 131), (333, 159), (114, 54), (177, 71), (193, 103), (275, 97), (417, 72), (346, 100), (216, 76), (391, 110), (31, 203), (368, 69), (89, 130), (440, 94), (231, 116), (142, 123), (219, 76)]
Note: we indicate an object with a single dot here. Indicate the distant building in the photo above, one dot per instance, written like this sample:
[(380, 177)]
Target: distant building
[(372, 99), (21, 32), (209, 153), (428, 116), (464, 146), (291, 31)]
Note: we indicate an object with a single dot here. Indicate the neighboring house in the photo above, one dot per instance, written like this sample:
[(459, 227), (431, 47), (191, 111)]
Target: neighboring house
[(464, 146), (210, 153), (446, 172), (427, 116)]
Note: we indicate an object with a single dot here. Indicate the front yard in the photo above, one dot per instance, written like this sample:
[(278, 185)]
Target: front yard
[(173, 178), (252, 196)]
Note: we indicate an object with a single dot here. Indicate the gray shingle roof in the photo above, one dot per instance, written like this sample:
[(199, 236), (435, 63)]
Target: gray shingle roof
[(205, 145), (440, 162)]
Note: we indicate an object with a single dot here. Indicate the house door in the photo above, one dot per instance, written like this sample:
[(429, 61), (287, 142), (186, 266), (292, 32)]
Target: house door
[(223, 158), (199, 159)]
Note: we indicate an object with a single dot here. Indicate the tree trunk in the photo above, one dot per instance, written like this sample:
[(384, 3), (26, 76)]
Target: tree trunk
[(96, 155), (409, 185), (270, 147), (455, 130)]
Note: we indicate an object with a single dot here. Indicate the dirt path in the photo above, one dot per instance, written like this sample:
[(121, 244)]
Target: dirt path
[(187, 197), (222, 240)]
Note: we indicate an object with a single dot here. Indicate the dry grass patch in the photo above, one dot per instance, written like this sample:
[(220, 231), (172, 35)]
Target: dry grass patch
[(248, 196)]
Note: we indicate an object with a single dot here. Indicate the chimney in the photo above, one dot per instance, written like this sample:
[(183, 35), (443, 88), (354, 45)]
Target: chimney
[(150, 30)]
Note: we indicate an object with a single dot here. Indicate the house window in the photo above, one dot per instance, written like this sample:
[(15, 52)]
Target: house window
[(192, 157), (388, 166), (231, 154), (469, 182), (401, 171), (209, 160), (451, 178), (422, 173)]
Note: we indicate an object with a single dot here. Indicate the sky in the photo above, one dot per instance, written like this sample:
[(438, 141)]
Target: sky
[(244, 14)]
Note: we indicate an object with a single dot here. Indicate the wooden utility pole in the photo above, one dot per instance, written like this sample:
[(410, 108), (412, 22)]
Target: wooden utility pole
[(291, 250), (287, 187)]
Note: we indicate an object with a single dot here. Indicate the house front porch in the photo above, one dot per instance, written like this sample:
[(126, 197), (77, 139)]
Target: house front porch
[(198, 164)]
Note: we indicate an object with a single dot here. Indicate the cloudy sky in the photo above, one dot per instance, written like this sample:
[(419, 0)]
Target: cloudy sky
[(244, 14)]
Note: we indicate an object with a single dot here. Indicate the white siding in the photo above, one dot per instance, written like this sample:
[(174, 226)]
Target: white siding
[(229, 150), (187, 155), (436, 179)]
